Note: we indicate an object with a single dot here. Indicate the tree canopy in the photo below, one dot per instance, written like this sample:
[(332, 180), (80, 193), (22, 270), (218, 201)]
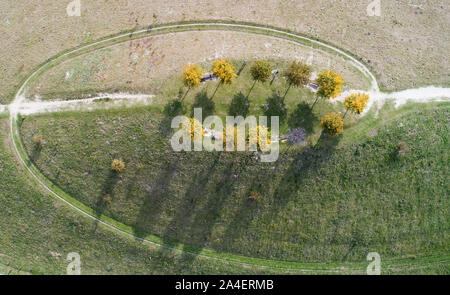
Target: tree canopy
[(330, 84), (356, 102), (260, 71), (192, 75), (332, 124), (224, 70), (298, 73)]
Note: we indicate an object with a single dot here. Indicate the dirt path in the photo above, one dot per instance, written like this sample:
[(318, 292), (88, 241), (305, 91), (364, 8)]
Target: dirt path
[(418, 95), (102, 101), (117, 100)]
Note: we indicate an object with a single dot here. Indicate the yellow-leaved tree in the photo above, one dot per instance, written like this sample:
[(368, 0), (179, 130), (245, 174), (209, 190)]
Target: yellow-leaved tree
[(330, 85), (225, 71), (356, 102), (332, 124), (191, 77)]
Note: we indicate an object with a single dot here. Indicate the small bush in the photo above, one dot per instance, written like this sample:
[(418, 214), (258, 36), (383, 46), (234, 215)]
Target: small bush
[(255, 196), (332, 124), (38, 140), (118, 165)]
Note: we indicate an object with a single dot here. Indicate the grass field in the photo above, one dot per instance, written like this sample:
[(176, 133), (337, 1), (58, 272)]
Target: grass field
[(381, 187), (334, 201), (406, 46), (37, 233)]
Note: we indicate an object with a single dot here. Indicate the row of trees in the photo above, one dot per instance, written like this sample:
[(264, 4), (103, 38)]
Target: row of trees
[(298, 74)]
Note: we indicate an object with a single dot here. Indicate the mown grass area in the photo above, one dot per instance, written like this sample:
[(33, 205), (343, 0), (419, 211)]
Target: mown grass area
[(331, 201), (37, 232)]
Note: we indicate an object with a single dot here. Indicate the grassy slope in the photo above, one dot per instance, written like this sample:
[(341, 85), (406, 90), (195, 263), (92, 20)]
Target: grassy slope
[(368, 201), (33, 225)]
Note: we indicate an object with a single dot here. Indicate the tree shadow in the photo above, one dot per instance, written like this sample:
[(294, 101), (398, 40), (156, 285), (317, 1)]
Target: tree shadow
[(303, 117), (106, 195), (35, 153), (275, 106), (196, 219), (239, 105), (202, 101), (156, 197), (172, 109), (197, 213), (301, 164)]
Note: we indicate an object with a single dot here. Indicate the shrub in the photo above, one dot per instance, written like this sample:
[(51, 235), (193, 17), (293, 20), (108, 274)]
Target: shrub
[(192, 75), (118, 165), (356, 102), (224, 70), (255, 196), (38, 140), (332, 124)]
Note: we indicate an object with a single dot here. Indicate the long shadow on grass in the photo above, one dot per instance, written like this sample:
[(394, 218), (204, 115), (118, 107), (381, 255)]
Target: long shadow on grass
[(172, 109), (303, 117), (107, 194), (199, 211), (277, 185), (35, 153), (157, 195), (202, 101), (214, 181), (239, 105)]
